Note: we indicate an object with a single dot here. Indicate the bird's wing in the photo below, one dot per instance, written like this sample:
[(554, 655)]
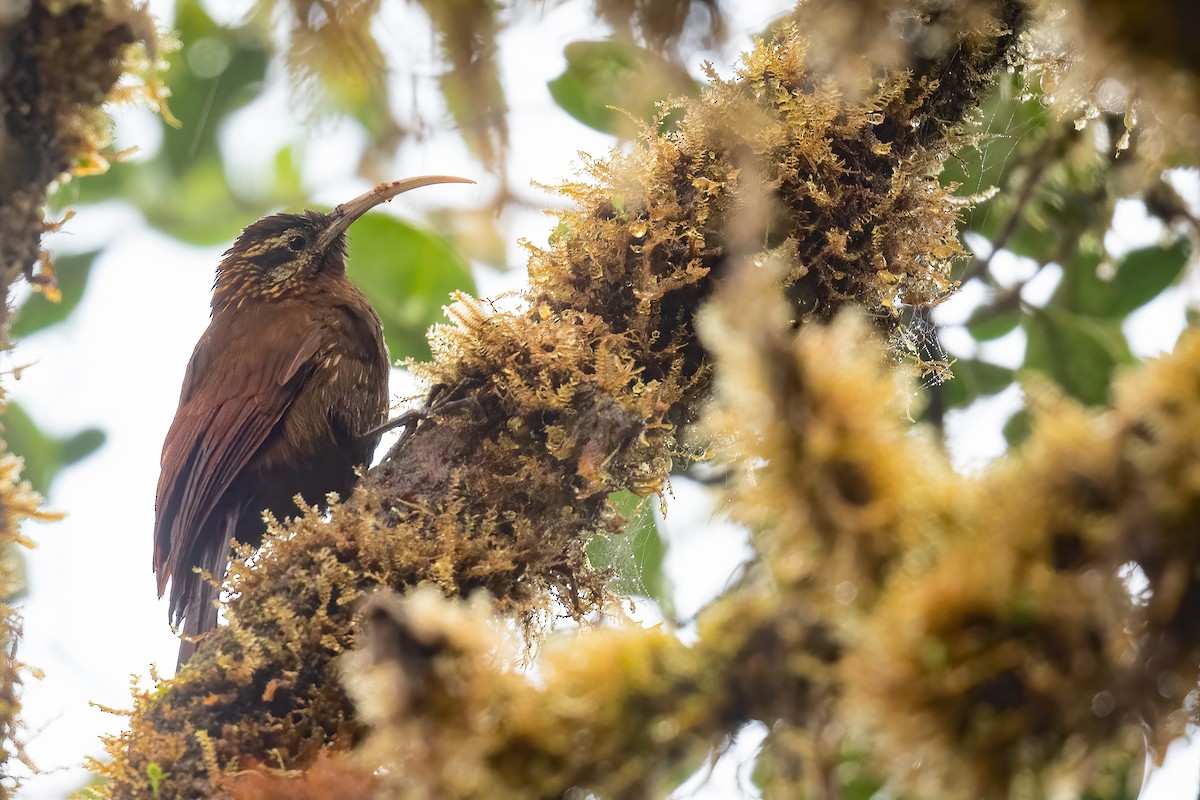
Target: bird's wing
[(232, 397)]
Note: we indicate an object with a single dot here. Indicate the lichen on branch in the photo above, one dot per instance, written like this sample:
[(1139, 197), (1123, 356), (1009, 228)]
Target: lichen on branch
[(540, 409)]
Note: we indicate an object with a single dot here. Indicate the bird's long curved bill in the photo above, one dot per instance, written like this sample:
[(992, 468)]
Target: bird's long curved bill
[(341, 217)]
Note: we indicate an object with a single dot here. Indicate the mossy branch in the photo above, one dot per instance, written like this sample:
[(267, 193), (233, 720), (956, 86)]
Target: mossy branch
[(538, 412), (61, 64), (968, 647), (615, 713)]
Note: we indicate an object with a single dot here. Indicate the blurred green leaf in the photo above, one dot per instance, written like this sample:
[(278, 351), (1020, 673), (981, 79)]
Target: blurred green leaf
[(472, 232), (200, 208), (1118, 778), (1018, 428), (775, 772), (987, 323), (1143, 274), (37, 312), (862, 786), (1139, 277), (42, 453), (1082, 290), (1060, 200), (973, 379), (618, 74), (635, 556), (218, 70), (81, 445), (408, 274), (45, 456), (287, 174), (1034, 237), (1079, 352)]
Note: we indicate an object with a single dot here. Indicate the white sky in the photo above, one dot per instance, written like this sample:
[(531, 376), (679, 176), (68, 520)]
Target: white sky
[(92, 619)]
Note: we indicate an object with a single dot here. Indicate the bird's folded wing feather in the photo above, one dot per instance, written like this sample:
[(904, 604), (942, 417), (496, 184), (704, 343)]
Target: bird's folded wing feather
[(231, 400)]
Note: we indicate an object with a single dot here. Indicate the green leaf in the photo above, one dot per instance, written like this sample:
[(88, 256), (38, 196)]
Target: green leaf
[(183, 190), (1139, 277), (774, 773), (37, 312), (635, 556), (1144, 274), (155, 775), (987, 323), (1119, 777), (1018, 428), (862, 786), (973, 379), (45, 456), (1052, 181), (1082, 290), (1079, 352), (199, 209), (408, 273), (606, 75), (217, 71), (81, 445), (1035, 237), (42, 453), (287, 174)]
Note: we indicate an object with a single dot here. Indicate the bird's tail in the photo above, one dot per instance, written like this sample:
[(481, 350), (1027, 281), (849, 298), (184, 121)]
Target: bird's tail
[(200, 594), (201, 618)]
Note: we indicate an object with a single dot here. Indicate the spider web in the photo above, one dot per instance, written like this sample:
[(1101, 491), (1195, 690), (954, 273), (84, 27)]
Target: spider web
[(1002, 125)]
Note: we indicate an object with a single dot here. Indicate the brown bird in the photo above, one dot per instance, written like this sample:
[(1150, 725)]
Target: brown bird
[(284, 395)]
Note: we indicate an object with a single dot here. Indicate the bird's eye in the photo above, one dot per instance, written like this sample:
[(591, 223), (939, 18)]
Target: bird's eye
[(296, 244)]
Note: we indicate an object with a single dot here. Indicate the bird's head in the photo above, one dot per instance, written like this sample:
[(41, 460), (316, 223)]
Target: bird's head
[(283, 254)]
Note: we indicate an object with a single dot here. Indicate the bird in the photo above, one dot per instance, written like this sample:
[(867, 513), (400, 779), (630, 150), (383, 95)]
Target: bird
[(285, 394)]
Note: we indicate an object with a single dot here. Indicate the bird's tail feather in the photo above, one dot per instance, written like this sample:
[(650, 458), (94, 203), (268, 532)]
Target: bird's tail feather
[(201, 618), (201, 614)]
